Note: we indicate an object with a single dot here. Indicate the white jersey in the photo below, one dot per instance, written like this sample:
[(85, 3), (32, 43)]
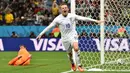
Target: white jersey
[(66, 25)]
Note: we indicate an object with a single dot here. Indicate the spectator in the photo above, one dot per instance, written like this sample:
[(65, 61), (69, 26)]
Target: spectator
[(51, 35), (36, 2), (32, 35), (56, 32), (115, 35), (84, 34), (14, 5), (45, 20), (67, 2), (55, 9), (44, 36), (9, 18), (122, 32), (1, 18), (58, 1), (93, 35), (108, 35), (14, 35)]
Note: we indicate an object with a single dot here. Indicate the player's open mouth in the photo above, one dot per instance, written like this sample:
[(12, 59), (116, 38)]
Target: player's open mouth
[(65, 11)]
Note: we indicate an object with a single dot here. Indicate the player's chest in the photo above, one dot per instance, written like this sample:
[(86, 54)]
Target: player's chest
[(64, 21), (66, 24)]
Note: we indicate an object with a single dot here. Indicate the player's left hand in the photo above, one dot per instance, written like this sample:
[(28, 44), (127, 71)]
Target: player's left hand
[(99, 21)]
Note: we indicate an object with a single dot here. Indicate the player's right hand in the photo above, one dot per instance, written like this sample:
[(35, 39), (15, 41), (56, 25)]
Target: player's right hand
[(38, 37)]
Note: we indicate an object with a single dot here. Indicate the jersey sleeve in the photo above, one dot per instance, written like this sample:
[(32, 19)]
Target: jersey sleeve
[(84, 18), (53, 23)]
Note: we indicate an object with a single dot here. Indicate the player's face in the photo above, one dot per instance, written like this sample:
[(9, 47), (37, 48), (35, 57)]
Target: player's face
[(64, 10)]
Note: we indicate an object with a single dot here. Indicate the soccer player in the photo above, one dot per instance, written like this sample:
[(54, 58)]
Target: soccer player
[(23, 57), (69, 36)]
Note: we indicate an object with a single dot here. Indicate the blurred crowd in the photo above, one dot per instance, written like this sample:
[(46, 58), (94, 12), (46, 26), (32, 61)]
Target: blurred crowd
[(115, 11), (37, 12), (27, 12), (88, 8), (42, 12)]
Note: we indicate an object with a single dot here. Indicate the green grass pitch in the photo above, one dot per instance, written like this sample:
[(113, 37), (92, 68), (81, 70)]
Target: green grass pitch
[(42, 62)]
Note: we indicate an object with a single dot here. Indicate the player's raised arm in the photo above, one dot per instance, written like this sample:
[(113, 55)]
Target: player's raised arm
[(87, 19), (46, 29)]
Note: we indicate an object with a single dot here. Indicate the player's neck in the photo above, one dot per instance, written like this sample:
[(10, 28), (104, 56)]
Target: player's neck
[(65, 15)]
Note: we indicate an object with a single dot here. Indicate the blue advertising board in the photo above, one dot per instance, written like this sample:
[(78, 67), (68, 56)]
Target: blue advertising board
[(55, 44)]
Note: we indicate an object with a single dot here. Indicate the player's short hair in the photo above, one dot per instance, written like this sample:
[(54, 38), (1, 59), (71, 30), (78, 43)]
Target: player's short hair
[(22, 45), (63, 4)]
